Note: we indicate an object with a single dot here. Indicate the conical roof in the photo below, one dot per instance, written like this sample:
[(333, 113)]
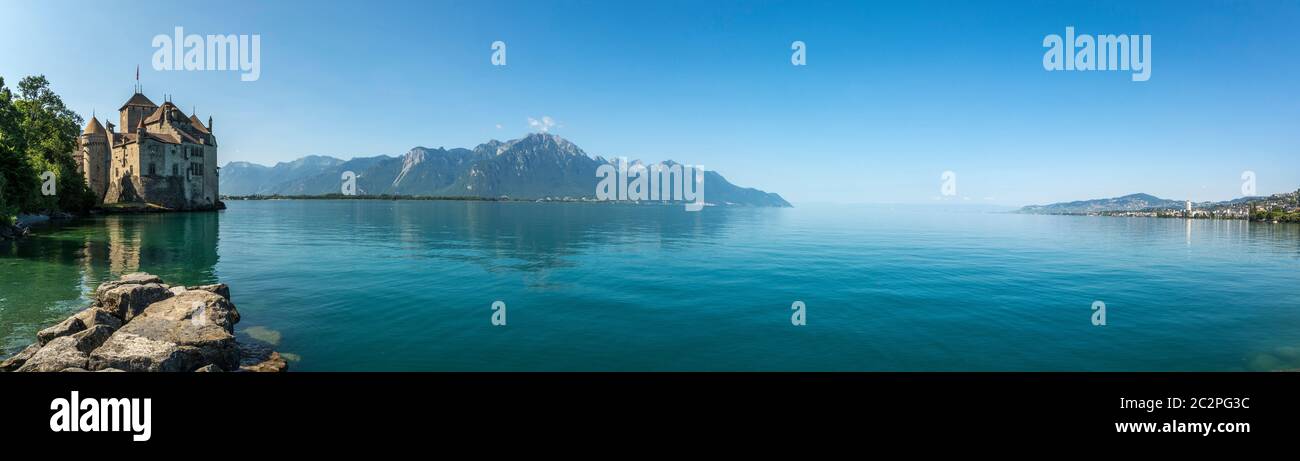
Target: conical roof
[(93, 126), (138, 100)]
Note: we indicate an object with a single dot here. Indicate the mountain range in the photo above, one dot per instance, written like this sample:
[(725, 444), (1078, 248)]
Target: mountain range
[(1131, 202), (537, 166)]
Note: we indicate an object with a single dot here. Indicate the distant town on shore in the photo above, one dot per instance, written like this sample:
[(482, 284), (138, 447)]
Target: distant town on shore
[(1284, 207)]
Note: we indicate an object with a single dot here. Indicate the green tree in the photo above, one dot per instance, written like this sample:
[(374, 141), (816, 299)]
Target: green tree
[(38, 133), (18, 182), (51, 131)]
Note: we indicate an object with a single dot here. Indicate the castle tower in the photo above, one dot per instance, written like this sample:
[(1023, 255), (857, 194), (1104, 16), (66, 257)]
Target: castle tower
[(94, 157), (135, 110)]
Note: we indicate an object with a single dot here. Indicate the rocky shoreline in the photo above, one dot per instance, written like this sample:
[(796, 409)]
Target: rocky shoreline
[(140, 324), (12, 231), (22, 226)]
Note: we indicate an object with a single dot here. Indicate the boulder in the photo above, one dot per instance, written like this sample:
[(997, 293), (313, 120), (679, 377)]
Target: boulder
[(197, 307), (220, 289), (135, 278), (92, 338), (66, 327), (210, 341), (12, 363), (199, 319), (260, 357), (138, 278), (58, 354), (130, 352), (95, 316), (127, 301), (273, 364)]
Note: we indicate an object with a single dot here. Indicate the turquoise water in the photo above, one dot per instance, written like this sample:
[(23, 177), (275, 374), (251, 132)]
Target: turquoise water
[(375, 285)]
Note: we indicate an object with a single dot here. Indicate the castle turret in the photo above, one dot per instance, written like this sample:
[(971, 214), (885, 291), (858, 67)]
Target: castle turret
[(95, 157)]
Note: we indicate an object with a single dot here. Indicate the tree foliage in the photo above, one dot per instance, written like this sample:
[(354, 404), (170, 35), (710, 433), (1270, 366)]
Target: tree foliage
[(38, 134)]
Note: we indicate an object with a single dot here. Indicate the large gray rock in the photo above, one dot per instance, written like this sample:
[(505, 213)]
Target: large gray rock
[(130, 352), (12, 363), (95, 316), (212, 342), (220, 289), (197, 307), (60, 353), (127, 301), (197, 319), (68, 326), (91, 339), (136, 278)]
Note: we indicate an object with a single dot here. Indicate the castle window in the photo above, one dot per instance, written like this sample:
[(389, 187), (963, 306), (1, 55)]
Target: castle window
[(176, 170), (152, 172)]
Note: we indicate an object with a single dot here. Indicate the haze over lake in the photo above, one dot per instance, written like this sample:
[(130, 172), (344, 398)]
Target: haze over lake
[(408, 285)]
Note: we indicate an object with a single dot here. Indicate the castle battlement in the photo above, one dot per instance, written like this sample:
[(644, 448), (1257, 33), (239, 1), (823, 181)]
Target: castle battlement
[(161, 157)]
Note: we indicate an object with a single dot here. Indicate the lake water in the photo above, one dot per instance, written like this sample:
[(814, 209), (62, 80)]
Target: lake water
[(381, 285)]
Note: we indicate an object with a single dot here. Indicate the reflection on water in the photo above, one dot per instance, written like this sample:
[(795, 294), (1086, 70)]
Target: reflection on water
[(47, 277), (380, 285), (521, 236)]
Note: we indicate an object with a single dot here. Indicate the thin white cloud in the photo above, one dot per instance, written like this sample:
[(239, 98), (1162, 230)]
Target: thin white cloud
[(543, 125)]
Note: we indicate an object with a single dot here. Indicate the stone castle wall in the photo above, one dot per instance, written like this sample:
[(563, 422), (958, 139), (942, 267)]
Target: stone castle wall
[(146, 170)]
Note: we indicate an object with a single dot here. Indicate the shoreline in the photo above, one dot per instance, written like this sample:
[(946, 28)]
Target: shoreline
[(1190, 218), (26, 225)]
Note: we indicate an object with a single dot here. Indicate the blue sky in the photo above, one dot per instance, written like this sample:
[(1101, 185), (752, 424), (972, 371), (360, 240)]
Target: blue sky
[(893, 93)]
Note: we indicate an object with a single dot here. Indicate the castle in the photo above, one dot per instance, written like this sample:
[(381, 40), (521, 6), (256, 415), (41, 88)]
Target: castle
[(161, 158)]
